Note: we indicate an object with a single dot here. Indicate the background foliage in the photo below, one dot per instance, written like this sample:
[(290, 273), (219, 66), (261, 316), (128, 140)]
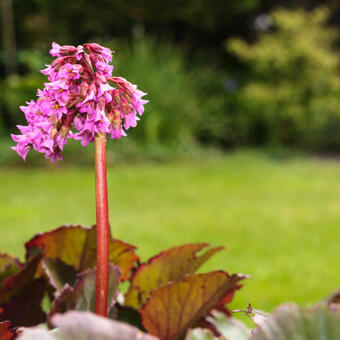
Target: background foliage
[(293, 95), (277, 83)]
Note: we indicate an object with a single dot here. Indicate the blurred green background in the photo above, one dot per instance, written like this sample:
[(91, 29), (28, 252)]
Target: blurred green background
[(238, 146)]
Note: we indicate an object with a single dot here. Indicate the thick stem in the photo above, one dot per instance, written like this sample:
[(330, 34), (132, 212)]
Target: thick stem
[(103, 229)]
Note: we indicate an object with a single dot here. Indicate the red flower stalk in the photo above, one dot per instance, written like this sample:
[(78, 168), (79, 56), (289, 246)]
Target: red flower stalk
[(103, 228)]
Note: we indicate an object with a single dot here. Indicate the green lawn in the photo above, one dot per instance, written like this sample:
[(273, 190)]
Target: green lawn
[(280, 220)]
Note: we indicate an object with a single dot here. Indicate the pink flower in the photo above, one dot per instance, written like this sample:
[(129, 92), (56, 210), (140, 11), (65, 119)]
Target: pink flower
[(55, 51), (80, 100)]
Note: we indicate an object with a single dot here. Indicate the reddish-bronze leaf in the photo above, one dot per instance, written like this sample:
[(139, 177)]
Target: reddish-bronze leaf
[(21, 295), (334, 299), (9, 265), (14, 284), (76, 247), (174, 308), (169, 265), (5, 332), (59, 273), (82, 295)]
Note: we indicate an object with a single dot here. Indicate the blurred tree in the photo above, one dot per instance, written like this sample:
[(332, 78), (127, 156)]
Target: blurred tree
[(200, 23), (292, 96), (8, 36)]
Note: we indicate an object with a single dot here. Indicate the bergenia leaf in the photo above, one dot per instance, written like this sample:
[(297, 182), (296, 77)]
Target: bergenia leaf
[(88, 326), (5, 332), (37, 333), (291, 322), (77, 325), (128, 315), (229, 328), (59, 273), (82, 295), (202, 334), (169, 265), (174, 308), (76, 246), (9, 265), (21, 295)]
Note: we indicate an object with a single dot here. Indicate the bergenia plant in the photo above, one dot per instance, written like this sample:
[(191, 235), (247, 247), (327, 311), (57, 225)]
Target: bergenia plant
[(77, 268), (82, 101)]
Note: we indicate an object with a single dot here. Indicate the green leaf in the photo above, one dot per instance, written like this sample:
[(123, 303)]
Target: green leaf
[(174, 308), (169, 265), (77, 325), (9, 265), (76, 246), (82, 295), (291, 322), (21, 295)]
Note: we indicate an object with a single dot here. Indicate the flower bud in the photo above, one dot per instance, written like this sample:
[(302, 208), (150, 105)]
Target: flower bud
[(101, 78), (128, 98), (113, 114), (110, 116), (124, 105), (117, 121), (93, 58), (67, 50), (116, 96), (53, 120), (73, 102), (64, 131), (87, 63), (83, 89), (101, 104), (54, 132)]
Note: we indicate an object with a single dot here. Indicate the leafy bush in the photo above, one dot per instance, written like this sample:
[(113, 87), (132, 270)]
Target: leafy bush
[(17, 90), (292, 95), (173, 114), (60, 275)]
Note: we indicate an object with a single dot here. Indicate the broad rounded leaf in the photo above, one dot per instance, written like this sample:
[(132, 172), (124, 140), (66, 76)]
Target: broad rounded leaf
[(5, 332), (76, 246), (202, 334), (36, 333), (88, 326), (174, 308), (59, 273), (229, 328), (9, 265), (21, 295), (82, 295), (169, 265), (291, 322)]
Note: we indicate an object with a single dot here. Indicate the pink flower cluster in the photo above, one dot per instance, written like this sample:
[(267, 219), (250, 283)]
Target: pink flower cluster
[(81, 99)]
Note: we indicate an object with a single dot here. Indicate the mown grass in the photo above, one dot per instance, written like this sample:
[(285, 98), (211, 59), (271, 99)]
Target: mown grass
[(279, 219)]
